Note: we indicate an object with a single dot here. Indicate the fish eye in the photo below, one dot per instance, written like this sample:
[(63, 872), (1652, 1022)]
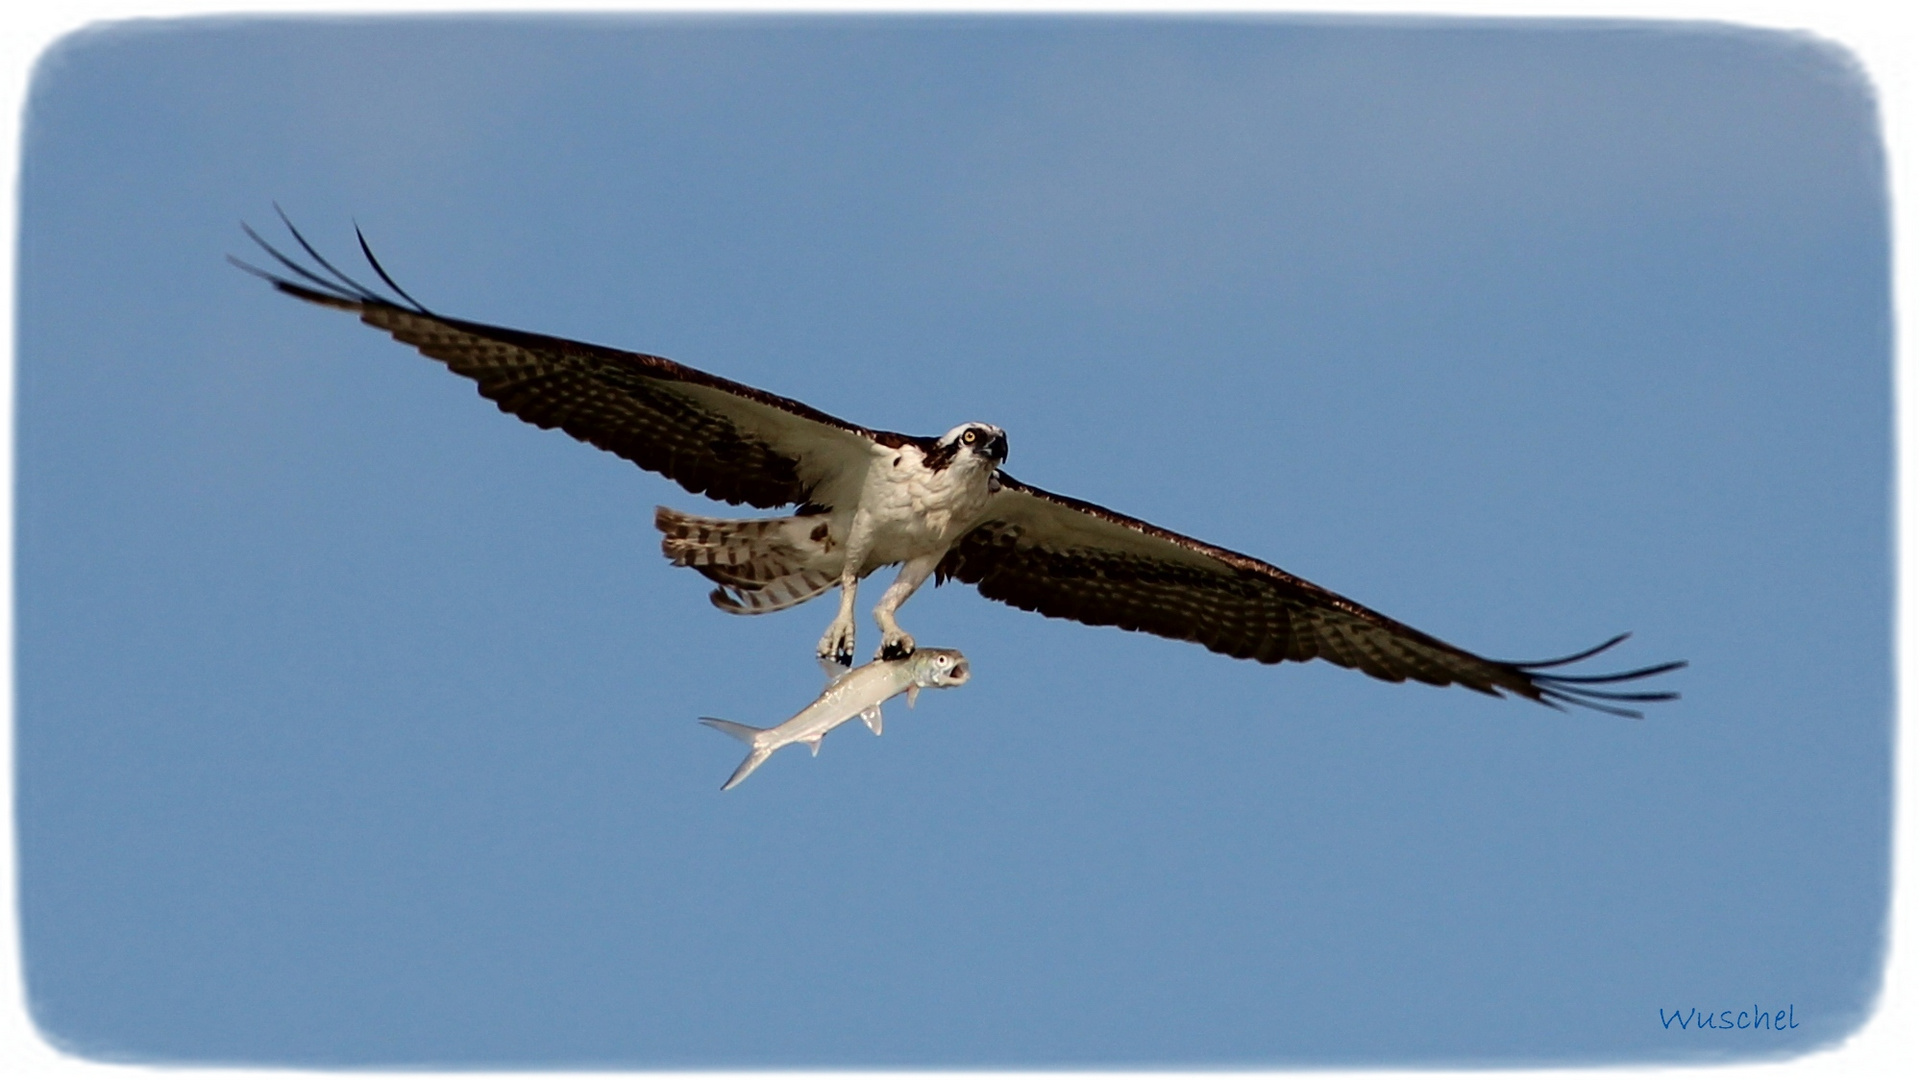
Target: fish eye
[(970, 437)]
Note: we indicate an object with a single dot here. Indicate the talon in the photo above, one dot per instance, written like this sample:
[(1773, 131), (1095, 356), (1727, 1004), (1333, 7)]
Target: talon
[(896, 648), (837, 647)]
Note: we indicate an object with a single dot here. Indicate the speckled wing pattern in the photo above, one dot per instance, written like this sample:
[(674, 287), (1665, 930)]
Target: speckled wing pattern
[(1070, 559), (712, 436)]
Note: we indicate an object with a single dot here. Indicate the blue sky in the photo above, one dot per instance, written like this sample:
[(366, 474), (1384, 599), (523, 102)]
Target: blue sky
[(356, 721)]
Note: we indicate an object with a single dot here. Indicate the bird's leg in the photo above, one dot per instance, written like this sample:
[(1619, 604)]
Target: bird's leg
[(836, 645), (895, 642)]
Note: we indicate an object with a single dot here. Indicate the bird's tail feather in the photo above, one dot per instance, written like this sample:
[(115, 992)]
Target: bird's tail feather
[(776, 595), (760, 564)]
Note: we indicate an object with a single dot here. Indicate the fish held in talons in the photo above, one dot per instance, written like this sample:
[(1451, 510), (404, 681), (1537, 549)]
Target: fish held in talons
[(859, 692)]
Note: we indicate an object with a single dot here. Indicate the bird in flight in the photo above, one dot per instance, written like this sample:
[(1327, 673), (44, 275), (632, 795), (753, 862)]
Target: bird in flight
[(938, 507)]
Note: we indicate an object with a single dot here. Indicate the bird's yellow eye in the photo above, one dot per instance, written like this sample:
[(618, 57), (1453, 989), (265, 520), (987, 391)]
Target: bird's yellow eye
[(970, 437)]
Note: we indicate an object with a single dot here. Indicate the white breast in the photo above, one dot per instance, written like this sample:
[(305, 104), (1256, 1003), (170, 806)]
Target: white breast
[(914, 510)]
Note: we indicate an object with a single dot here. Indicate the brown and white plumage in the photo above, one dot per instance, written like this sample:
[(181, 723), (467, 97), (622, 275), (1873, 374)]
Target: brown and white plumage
[(1070, 559), (868, 498)]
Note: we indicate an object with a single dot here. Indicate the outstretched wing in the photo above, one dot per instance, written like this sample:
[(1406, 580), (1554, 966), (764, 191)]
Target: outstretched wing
[(710, 435), (1073, 560)]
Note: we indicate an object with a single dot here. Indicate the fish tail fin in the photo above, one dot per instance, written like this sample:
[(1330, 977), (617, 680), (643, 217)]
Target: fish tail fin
[(743, 732), (746, 734)]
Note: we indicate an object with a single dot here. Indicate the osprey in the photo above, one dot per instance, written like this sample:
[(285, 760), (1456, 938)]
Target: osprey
[(939, 507)]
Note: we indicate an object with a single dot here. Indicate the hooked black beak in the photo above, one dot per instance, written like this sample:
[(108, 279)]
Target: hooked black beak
[(997, 448)]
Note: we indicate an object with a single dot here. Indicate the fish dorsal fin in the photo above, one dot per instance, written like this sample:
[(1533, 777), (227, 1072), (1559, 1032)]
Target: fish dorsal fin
[(913, 692), (813, 744), (871, 714)]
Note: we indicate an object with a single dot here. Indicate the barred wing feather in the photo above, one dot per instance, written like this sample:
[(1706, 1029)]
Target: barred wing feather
[(1070, 559), (711, 435)]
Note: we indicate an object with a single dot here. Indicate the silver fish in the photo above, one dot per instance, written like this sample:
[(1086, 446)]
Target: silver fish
[(856, 693)]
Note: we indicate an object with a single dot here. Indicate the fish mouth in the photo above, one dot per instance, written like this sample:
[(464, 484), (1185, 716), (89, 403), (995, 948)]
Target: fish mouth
[(959, 672)]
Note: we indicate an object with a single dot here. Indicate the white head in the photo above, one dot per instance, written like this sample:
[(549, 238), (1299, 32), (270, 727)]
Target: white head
[(981, 445)]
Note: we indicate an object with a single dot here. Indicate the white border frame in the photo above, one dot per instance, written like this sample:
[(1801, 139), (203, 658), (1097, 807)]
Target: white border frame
[(1879, 34)]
